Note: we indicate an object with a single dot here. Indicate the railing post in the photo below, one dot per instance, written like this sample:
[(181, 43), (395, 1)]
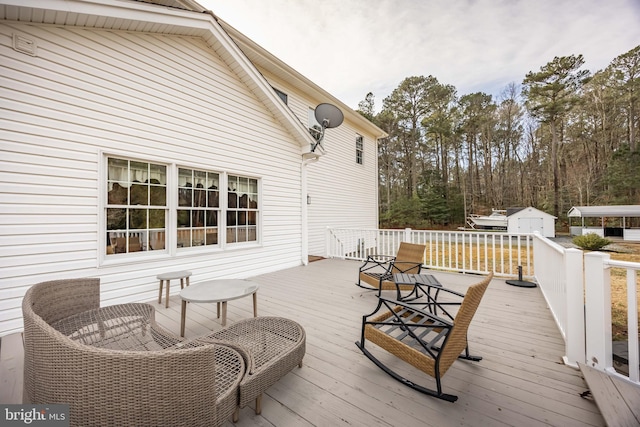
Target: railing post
[(574, 330), (598, 310), (407, 235)]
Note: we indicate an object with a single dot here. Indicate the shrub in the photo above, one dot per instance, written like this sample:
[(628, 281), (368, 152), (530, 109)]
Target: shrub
[(591, 241)]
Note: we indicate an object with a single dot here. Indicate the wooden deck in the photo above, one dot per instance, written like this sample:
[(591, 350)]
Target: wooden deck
[(520, 382)]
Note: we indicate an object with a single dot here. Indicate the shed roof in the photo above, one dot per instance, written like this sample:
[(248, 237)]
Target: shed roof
[(602, 211)]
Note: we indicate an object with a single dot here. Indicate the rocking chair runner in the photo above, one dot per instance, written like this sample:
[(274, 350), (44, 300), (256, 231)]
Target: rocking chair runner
[(412, 332), (378, 270)]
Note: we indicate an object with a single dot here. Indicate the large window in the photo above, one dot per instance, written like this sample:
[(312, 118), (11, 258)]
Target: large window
[(136, 206), (206, 208), (198, 207)]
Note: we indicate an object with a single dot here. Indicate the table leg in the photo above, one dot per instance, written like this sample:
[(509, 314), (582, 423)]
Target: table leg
[(255, 304), (160, 294), (224, 313), (168, 283), (183, 316), (217, 310)]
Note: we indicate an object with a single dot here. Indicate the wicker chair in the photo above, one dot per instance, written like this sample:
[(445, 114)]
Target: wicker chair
[(413, 332), (115, 366), (378, 270), (271, 347)]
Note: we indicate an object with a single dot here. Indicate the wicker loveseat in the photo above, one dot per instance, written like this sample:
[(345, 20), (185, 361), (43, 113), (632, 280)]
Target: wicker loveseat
[(115, 366)]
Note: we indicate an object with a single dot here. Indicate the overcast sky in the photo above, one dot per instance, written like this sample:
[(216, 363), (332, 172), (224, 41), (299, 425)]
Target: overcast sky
[(352, 47)]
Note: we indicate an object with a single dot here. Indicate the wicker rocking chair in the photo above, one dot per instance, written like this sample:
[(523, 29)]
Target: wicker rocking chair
[(413, 332), (378, 270)]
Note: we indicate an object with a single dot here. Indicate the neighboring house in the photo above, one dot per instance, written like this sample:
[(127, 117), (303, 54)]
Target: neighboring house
[(606, 221), (530, 220), (144, 137)]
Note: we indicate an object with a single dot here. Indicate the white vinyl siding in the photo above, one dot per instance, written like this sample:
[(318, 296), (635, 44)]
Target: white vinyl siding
[(341, 194), (167, 99)]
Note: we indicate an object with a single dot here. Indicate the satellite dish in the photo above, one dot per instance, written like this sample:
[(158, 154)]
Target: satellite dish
[(329, 116)]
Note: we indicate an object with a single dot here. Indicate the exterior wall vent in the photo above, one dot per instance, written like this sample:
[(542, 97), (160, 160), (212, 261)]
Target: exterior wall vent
[(24, 44)]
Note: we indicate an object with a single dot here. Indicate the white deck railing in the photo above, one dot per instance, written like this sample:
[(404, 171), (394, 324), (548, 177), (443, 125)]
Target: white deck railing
[(599, 354), (576, 286), (561, 282), (463, 251)]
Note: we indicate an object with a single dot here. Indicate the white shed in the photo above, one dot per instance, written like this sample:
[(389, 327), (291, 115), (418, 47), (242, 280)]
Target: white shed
[(529, 220)]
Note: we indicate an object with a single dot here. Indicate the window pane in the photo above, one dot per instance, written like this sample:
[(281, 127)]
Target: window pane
[(184, 219), (118, 170), (158, 174), (212, 237), (184, 238), (252, 217), (242, 218), (118, 195), (243, 185), (244, 201), (158, 195), (231, 218), (253, 201), (199, 198), (116, 219), (252, 234), (139, 194), (198, 237), (139, 172), (233, 200), (157, 240), (214, 199), (137, 219), (212, 219), (185, 184), (156, 218), (197, 218), (231, 235)]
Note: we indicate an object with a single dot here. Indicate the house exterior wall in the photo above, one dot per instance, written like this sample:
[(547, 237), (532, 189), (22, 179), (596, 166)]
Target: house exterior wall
[(169, 99), (342, 193)]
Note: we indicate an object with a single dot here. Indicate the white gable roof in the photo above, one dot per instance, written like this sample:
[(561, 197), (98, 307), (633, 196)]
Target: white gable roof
[(605, 211)]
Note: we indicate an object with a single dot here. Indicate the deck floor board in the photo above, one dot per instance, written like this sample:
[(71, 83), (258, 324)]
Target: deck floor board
[(520, 381)]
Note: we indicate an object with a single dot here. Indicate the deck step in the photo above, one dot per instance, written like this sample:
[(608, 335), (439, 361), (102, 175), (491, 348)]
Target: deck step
[(618, 400)]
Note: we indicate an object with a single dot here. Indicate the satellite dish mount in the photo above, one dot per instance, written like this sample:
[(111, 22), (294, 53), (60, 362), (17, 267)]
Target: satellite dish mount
[(328, 116)]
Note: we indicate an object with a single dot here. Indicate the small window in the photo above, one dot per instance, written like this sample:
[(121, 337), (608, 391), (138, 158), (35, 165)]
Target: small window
[(359, 149), (281, 94)]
